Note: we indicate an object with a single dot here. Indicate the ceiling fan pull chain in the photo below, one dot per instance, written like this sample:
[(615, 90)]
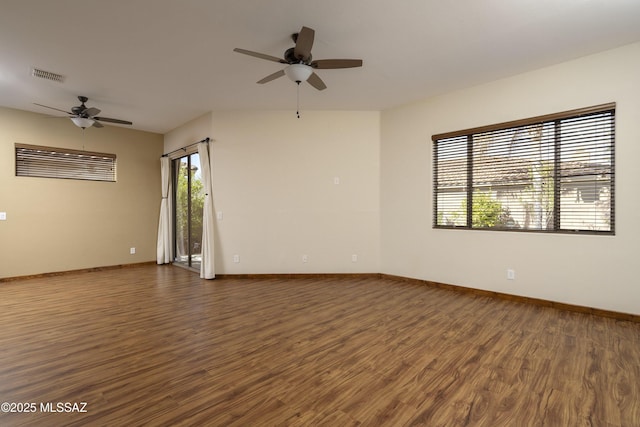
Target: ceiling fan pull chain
[(298, 99)]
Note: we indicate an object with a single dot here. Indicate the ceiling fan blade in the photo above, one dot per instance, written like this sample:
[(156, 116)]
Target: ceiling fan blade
[(92, 111), (97, 124), (304, 43), (270, 77), (57, 109), (108, 120), (260, 55), (327, 64), (315, 81)]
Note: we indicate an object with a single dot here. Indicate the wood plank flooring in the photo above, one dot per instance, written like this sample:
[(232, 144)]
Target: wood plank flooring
[(158, 346)]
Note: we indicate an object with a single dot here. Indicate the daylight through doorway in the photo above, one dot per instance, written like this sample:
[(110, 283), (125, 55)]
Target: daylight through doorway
[(189, 200)]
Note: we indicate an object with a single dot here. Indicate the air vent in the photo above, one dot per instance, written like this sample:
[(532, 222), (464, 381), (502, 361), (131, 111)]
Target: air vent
[(47, 75)]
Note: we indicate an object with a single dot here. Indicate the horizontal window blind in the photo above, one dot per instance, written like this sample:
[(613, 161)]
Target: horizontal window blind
[(554, 174), (51, 162)]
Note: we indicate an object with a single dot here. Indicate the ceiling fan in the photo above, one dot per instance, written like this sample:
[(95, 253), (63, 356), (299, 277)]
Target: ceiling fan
[(300, 65), (84, 117)]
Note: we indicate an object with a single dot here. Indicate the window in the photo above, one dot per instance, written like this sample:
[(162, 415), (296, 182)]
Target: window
[(50, 162), (551, 173)]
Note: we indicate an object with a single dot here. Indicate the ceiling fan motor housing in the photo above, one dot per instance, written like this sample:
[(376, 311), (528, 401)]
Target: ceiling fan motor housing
[(80, 108), (291, 58)]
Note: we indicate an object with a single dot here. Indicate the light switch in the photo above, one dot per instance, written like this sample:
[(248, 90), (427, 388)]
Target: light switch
[(3, 216)]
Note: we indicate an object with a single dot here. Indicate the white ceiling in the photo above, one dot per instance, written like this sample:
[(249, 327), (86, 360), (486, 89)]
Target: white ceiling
[(161, 63)]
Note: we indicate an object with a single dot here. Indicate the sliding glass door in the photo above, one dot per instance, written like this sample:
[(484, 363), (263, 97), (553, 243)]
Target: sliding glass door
[(189, 201)]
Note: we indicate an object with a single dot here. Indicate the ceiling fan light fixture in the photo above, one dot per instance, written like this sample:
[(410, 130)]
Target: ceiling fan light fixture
[(82, 122), (298, 72)]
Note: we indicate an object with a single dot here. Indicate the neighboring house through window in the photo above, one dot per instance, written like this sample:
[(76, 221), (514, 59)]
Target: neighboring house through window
[(551, 173)]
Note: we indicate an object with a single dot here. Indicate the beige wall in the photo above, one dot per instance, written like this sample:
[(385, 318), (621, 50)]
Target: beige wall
[(595, 271), (187, 134), (274, 184), (59, 225)]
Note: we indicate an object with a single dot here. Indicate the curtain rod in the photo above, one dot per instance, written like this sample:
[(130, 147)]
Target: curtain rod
[(207, 139)]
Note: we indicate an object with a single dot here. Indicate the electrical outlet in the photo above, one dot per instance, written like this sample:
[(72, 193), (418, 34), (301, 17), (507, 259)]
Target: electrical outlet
[(236, 258), (220, 215), (305, 258), (132, 251), (354, 258), (511, 274), (3, 216), (336, 180)]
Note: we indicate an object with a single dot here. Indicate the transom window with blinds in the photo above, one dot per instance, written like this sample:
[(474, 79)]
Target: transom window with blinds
[(552, 173), (51, 162)]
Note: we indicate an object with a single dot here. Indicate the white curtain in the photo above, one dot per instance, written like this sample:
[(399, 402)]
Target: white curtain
[(164, 246), (207, 268)]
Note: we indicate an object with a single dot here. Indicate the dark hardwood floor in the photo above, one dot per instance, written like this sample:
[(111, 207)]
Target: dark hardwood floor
[(157, 346)]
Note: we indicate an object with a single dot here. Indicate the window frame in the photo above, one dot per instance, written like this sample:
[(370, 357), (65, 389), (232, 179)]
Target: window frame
[(549, 119), (36, 161)]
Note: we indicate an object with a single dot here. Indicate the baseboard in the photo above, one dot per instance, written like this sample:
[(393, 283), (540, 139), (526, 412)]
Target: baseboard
[(81, 270), (299, 276), (454, 288), (525, 300)]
